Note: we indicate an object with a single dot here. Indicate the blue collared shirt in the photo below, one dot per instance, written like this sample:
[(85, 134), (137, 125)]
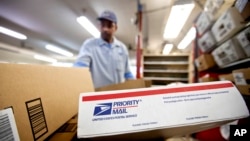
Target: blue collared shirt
[(108, 63)]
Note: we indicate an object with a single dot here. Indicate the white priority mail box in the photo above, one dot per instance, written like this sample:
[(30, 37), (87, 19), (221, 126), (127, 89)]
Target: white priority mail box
[(212, 7), (227, 24), (206, 42), (227, 53), (159, 112), (244, 40), (203, 23)]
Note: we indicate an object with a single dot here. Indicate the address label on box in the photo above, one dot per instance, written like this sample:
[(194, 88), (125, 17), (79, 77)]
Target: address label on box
[(138, 110)]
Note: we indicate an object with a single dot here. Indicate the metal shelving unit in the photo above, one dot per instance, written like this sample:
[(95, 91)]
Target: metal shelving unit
[(165, 69)]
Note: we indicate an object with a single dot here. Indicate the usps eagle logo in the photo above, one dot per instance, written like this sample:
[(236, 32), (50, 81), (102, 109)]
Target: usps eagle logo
[(103, 109)]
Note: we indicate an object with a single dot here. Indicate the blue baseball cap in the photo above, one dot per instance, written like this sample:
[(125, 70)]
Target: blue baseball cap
[(108, 15)]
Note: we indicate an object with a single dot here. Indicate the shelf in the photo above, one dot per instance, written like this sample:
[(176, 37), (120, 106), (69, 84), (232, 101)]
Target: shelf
[(232, 35), (226, 69), (165, 63), (165, 71), (166, 78), (240, 62), (171, 55)]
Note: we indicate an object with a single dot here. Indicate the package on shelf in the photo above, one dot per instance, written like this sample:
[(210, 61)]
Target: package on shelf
[(229, 77), (227, 24), (158, 112), (203, 23), (205, 62), (243, 38), (212, 7), (42, 97), (243, 6), (206, 42), (227, 53), (242, 80)]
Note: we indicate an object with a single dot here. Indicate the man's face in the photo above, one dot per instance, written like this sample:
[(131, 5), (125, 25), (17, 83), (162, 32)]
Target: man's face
[(108, 29)]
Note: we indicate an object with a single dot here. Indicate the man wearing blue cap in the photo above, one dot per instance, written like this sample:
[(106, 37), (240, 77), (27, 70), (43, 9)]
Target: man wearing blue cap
[(106, 57)]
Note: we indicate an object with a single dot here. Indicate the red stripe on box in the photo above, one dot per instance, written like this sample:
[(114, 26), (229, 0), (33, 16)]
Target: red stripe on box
[(156, 92)]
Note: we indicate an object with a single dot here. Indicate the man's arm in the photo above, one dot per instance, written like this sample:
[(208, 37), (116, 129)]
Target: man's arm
[(128, 74), (84, 57)]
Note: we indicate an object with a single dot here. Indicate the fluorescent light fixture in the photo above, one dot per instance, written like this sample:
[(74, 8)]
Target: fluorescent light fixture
[(58, 50), (167, 49), (12, 33), (177, 18), (187, 39), (44, 58), (84, 21)]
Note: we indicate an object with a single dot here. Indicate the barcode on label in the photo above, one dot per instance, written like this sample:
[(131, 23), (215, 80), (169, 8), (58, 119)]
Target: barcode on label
[(37, 118), (8, 130)]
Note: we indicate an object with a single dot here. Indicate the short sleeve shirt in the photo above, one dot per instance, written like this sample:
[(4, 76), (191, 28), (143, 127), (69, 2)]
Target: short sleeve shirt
[(108, 63)]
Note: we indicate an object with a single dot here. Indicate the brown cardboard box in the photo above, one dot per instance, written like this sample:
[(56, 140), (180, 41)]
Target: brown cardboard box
[(204, 62), (50, 92), (244, 89), (67, 132), (242, 80), (229, 77), (207, 79), (130, 84)]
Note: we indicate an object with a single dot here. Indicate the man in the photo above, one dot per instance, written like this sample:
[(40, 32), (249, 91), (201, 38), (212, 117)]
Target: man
[(106, 57)]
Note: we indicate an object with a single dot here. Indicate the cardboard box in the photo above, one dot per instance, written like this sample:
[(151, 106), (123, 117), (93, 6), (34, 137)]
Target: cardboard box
[(227, 24), (228, 77), (207, 79), (212, 7), (206, 42), (129, 84), (158, 112), (242, 80), (244, 89), (243, 39), (204, 62), (49, 92), (227, 53), (67, 132), (243, 6), (203, 23)]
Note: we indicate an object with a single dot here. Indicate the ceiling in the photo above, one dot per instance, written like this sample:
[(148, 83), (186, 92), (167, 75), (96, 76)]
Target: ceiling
[(54, 22)]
